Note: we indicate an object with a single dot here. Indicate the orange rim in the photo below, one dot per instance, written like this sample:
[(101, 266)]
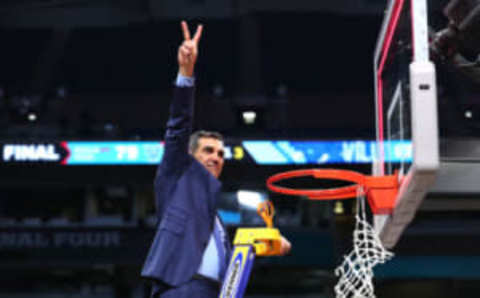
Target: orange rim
[(319, 194), (381, 191)]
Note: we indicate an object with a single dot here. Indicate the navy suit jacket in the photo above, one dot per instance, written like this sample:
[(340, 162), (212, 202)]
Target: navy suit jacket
[(186, 197)]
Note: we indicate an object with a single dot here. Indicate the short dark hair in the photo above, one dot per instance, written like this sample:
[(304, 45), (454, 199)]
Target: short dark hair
[(194, 137)]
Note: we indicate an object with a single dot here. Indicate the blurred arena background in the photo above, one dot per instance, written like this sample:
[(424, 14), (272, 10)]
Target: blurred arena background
[(85, 72)]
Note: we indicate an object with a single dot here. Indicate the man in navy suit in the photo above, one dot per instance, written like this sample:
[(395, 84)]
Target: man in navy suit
[(190, 250)]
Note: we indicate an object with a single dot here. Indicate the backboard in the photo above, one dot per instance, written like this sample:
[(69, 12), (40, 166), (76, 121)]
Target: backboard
[(406, 112)]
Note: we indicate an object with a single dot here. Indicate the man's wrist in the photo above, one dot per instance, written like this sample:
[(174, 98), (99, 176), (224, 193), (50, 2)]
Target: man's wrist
[(185, 71)]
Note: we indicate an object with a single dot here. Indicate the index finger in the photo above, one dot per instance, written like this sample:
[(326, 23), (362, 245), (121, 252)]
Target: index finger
[(198, 34), (186, 32)]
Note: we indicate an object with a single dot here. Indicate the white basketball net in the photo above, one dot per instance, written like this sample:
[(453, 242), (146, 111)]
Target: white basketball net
[(356, 271)]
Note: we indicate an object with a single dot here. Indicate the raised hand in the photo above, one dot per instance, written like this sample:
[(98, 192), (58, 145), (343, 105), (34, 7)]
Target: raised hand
[(188, 50)]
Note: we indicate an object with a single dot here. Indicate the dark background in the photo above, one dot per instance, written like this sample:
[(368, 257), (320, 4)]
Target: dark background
[(104, 70)]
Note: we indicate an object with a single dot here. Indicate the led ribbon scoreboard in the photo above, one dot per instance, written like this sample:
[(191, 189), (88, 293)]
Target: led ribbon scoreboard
[(260, 152)]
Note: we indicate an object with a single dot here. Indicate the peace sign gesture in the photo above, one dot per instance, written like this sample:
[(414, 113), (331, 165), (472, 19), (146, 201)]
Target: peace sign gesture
[(188, 50)]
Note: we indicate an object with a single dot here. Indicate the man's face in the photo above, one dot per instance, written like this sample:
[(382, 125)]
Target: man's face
[(210, 154)]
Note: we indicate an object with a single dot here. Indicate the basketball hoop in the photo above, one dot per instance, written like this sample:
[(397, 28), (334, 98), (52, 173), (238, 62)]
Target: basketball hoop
[(356, 271), (381, 191)]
